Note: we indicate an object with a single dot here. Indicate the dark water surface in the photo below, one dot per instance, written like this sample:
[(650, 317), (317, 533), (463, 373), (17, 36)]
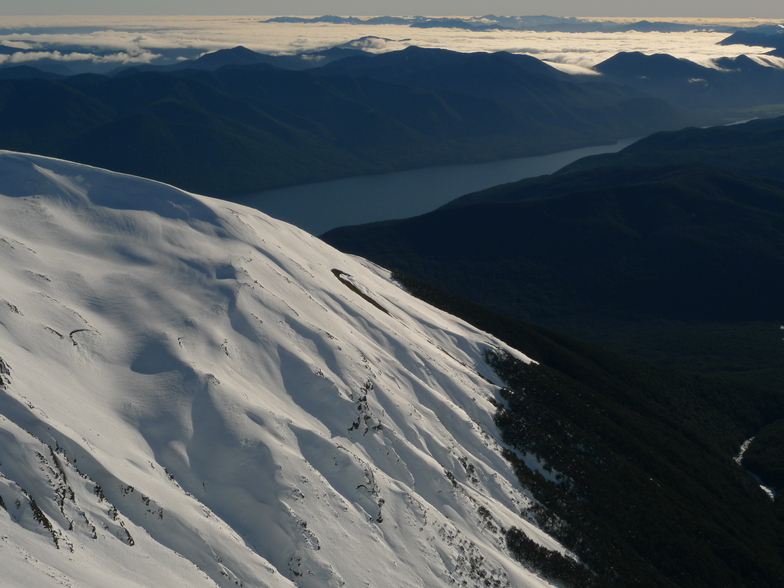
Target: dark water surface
[(317, 208)]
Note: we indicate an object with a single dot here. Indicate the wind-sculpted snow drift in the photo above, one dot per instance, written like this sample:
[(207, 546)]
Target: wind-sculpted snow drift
[(194, 394)]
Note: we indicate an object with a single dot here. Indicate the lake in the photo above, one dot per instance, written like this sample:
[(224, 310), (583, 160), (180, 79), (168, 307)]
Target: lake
[(317, 208)]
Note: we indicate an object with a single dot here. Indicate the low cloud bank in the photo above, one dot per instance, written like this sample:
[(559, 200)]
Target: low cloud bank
[(115, 58), (140, 40)]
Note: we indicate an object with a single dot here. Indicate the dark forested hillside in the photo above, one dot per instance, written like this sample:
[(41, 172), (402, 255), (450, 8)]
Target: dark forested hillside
[(631, 464), (682, 242), (245, 128), (681, 264), (738, 83), (653, 230), (237, 122), (755, 147)]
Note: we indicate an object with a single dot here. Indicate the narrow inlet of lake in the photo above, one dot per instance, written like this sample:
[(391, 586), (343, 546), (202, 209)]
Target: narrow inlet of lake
[(317, 208)]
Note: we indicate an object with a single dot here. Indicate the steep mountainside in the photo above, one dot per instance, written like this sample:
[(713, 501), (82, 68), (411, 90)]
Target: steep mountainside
[(650, 251), (740, 84), (684, 242), (677, 263), (194, 394), (521, 82), (639, 465), (413, 62)]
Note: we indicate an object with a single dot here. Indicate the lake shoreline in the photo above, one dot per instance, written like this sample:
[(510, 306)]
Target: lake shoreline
[(320, 207)]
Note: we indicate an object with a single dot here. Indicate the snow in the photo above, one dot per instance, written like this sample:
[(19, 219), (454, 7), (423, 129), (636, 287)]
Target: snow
[(191, 396), (738, 459)]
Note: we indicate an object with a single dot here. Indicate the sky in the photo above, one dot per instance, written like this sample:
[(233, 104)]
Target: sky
[(631, 8)]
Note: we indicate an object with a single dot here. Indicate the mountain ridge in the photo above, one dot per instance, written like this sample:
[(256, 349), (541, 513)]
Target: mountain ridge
[(243, 129)]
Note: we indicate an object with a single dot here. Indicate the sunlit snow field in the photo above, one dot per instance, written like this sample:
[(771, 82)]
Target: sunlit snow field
[(195, 394)]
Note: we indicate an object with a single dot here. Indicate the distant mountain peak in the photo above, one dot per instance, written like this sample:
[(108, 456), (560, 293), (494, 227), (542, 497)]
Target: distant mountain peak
[(236, 55)]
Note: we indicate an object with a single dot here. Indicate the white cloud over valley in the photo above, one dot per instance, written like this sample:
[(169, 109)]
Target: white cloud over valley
[(142, 39)]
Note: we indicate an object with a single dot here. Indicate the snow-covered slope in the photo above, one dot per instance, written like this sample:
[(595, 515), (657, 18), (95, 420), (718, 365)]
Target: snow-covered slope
[(196, 394)]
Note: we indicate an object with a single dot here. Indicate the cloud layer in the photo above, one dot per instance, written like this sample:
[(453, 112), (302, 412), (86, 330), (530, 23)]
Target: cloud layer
[(152, 39)]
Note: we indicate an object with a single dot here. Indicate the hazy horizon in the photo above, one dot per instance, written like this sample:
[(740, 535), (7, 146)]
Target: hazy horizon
[(766, 9), (124, 40)]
